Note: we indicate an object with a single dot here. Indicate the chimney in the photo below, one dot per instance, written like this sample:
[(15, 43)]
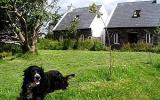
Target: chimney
[(70, 8)]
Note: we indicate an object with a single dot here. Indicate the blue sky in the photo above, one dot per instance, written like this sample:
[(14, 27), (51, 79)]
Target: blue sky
[(109, 4)]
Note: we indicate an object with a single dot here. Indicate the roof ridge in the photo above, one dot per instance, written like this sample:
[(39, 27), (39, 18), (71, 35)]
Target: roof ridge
[(135, 2), (85, 7)]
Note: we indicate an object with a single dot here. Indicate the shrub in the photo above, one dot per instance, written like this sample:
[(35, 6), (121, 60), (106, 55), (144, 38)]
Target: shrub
[(156, 49), (68, 44), (88, 44), (140, 46), (97, 45), (85, 44), (47, 44), (126, 47), (14, 48)]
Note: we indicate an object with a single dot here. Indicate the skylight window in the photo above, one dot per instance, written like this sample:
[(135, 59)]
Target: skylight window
[(77, 16), (136, 14)]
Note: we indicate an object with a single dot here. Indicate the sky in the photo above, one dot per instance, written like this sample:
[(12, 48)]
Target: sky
[(108, 4)]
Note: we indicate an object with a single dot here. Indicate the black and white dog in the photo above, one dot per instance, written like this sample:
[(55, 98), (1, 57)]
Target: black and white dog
[(37, 83)]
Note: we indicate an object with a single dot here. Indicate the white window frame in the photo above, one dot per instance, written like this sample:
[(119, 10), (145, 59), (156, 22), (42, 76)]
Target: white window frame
[(148, 38), (115, 38), (61, 37), (82, 36)]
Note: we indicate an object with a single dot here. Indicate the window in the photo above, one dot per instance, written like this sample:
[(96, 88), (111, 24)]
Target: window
[(82, 37), (148, 38), (115, 38), (61, 37), (76, 18), (133, 37), (136, 14)]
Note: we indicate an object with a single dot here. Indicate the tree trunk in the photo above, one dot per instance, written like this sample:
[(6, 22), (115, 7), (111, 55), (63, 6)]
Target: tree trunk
[(30, 48), (34, 49), (25, 48)]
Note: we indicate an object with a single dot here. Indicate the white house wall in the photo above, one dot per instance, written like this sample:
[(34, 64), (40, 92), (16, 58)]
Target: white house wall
[(97, 26)]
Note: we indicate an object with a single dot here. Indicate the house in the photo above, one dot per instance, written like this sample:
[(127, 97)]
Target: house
[(133, 22), (89, 25)]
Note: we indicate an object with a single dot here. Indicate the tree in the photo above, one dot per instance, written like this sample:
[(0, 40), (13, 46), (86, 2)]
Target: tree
[(93, 9), (25, 18), (73, 27)]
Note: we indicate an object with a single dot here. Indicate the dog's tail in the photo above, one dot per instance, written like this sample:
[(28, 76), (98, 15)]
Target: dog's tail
[(70, 76)]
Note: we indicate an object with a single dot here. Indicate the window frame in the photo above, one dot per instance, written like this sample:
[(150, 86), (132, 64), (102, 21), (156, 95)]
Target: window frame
[(149, 38), (116, 38), (136, 13), (61, 37)]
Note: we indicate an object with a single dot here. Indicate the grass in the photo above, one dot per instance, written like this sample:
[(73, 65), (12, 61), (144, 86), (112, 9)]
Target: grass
[(133, 78)]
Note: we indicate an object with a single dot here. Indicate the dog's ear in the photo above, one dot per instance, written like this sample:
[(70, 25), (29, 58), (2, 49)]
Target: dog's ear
[(42, 70), (69, 76)]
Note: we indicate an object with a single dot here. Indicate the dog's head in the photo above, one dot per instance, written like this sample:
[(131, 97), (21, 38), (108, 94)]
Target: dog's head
[(33, 75), (63, 82)]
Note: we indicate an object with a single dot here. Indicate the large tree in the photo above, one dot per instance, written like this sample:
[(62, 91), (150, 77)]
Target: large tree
[(25, 18)]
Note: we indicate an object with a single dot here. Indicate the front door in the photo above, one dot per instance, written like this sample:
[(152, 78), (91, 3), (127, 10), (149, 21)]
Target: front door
[(132, 38)]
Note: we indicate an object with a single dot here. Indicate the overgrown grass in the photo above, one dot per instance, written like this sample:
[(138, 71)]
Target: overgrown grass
[(133, 78)]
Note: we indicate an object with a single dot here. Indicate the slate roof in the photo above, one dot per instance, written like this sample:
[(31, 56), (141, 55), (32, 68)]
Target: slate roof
[(122, 16), (85, 18)]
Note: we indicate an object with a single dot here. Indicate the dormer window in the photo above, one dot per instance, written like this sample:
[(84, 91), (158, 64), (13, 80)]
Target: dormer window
[(136, 14), (77, 16)]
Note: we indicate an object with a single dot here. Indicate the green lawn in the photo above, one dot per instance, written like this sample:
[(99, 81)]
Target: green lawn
[(133, 78)]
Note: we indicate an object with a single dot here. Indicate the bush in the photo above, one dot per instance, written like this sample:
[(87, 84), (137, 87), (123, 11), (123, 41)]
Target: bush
[(14, 48), (126, 47), (98, 45), (68, 44), (91, 44), (88, 44), (46, 44), (140, 46), (156, 49), (85, 44)]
